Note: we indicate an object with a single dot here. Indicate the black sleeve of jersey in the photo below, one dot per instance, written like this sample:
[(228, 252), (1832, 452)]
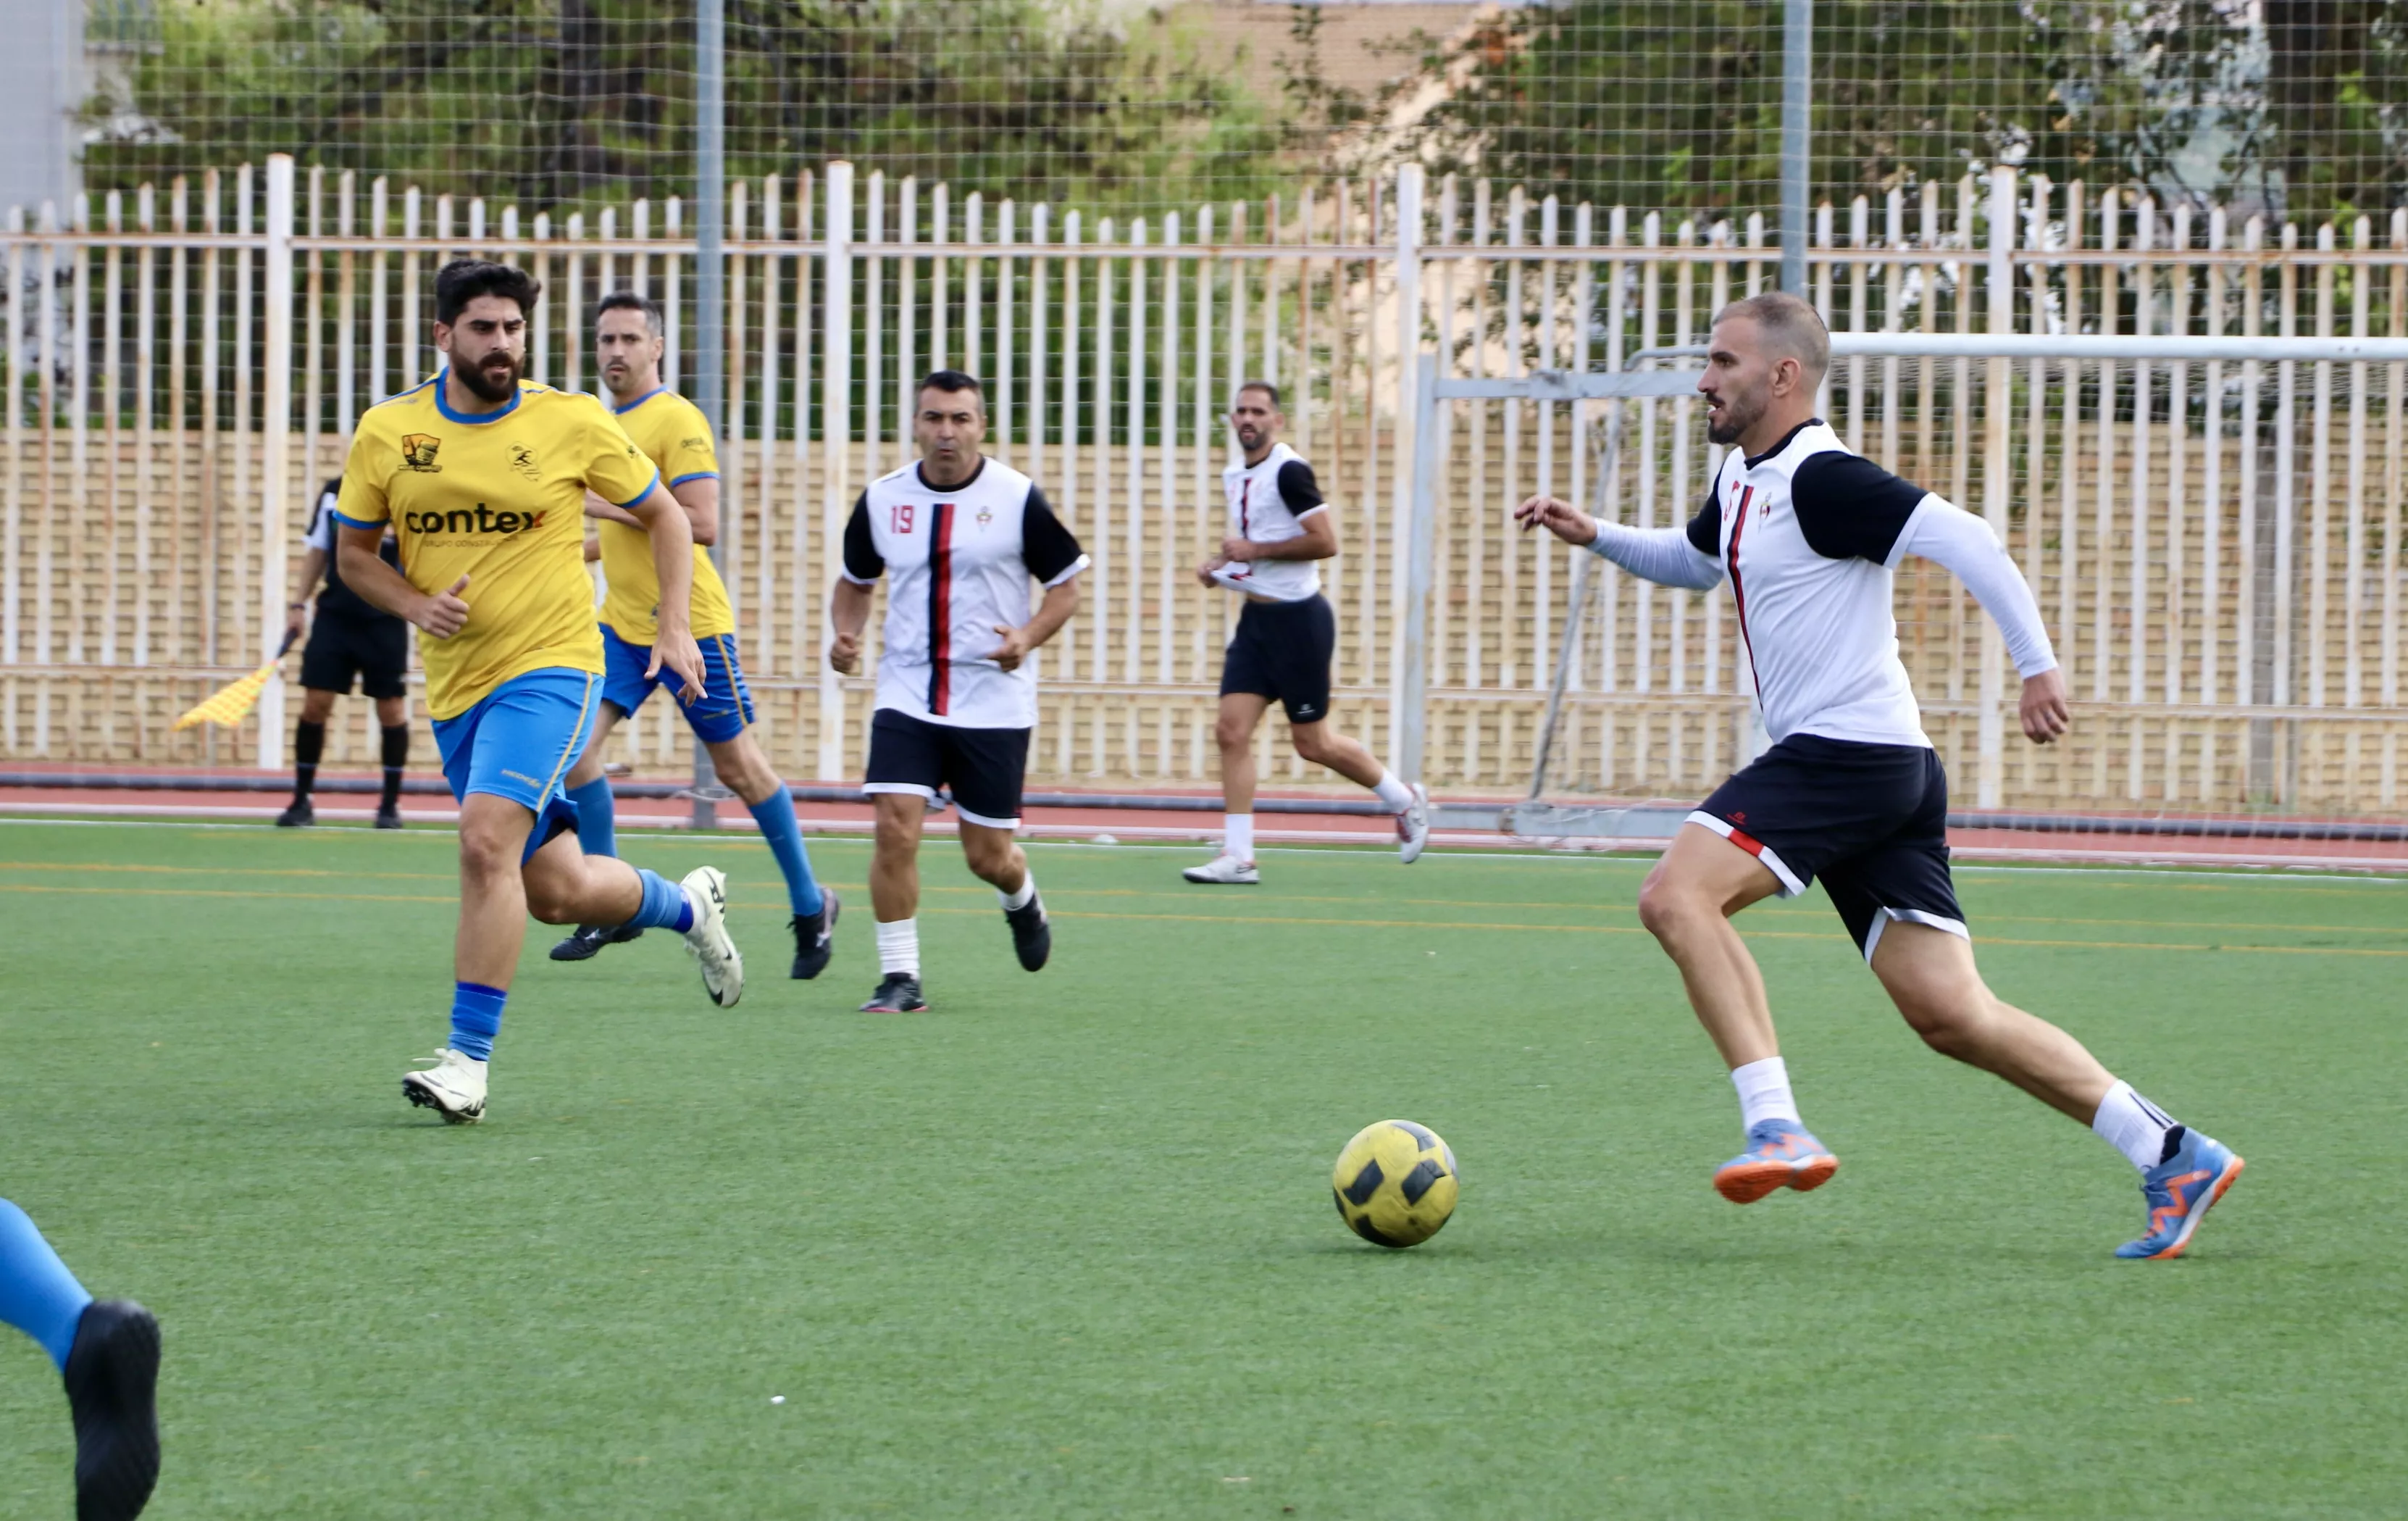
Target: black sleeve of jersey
[(1849, 507), (1706, 528), (862, 561), (1045, 546), (1298, 488)]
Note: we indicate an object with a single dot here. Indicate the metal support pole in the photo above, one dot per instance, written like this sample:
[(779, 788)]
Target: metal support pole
[(1408, 604), (275, 430), (1796, 137), (836, 425), (1408, 741), (710, 282)]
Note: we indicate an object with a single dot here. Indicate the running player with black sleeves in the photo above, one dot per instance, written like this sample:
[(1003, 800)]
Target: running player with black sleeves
[(961, 536), (1809, 534), (1280, 529), (348, 639)]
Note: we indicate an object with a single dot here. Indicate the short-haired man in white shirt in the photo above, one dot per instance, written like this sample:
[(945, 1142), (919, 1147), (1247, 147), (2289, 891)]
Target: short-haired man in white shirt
[(959, 539), (1808, 533), (1280, 530)]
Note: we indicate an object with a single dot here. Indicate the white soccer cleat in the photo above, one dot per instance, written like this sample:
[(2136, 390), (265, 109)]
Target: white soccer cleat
[(723, 967), (1412, 826), (453, 1087), (1225, 870)]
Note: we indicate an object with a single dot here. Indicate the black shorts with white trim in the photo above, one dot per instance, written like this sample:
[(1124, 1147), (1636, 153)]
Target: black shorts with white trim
[(982, 769), (1870, 820), (1282, 651)]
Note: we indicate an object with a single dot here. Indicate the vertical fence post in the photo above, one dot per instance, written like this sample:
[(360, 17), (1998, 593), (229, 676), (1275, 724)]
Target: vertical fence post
[(1408, 734), (835, 429), (1796, 137), (1407, 610), (275, 429), (710, 282), (1997, 406)]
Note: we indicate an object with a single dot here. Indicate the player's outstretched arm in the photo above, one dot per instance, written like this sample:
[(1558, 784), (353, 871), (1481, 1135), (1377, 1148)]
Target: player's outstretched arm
[(1666, 556), (380, 586), (1963, 544), (672, 537), (1061, 601)]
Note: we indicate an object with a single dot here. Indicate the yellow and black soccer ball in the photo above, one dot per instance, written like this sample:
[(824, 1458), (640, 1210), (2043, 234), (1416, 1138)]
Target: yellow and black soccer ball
[(1395, 1183)]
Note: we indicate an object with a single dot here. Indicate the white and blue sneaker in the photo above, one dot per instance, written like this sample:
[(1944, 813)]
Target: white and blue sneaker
[(2179, 1191)]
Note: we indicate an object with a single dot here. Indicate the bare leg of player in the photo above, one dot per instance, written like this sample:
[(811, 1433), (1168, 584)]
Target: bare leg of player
[(1930, 974), (894, 899), (1233, 731), (998, 859), (1686, 904), (493, 892), (1324, 746)]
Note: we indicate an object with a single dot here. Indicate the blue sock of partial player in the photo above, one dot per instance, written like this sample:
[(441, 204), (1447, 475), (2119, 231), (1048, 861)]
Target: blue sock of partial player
[(775, 814), (37, 1295), (476, 1019), (597, 832), (664, 905)]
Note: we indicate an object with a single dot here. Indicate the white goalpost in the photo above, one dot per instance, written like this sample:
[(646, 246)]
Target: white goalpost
[(2217, 548)]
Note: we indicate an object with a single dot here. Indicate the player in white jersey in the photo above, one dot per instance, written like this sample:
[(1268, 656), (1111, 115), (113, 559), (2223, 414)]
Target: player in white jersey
[(959, 536), (1808, 534), (1280, 529)]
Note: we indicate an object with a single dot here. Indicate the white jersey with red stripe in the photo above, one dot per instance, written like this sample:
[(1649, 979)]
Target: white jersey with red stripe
[(959, 563), (1814, 612), (1268, 502)]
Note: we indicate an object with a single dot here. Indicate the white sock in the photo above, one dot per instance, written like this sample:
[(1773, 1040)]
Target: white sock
[(1393, 792), (2132, 1126), (1764, 1092), (898, 948), (1019, 900), (1238, 836)]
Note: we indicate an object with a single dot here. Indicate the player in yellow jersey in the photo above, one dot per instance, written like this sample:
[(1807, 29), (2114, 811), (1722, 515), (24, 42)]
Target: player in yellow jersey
[(628, 341), (483, 476)]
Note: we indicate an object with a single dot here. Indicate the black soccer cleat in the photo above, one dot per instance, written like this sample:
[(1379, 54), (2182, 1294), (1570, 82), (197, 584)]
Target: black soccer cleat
[(898, 992), (815, 937), (299, 814), (586, 943), (113, 1393), (388, 818), (1031, 934)]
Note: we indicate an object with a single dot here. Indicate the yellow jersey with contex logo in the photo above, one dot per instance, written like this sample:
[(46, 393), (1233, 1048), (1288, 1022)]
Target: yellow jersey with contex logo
[(675, 436), (499, 497)]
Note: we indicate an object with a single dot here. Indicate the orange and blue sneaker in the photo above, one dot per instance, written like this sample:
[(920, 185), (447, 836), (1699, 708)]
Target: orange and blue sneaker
[(1780, 1154), (2179, 1191)]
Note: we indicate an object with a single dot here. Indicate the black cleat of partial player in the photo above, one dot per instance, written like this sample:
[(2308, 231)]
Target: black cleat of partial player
[(897, 994), (388, 818), (586, 943), (1031, 936), (815, 937), (113, 1393), (298, 814)]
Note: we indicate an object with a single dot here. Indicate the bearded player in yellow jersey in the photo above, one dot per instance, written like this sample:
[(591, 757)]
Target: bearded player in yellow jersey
[(628, 341), (483, 476)]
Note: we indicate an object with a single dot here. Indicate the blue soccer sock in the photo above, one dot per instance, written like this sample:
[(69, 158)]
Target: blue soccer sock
[(664, 905), (597, 831), (775, 814), (37, 1295), (476, 1019)]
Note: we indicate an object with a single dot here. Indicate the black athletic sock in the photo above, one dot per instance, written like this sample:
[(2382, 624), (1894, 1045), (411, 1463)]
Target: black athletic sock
[(2173, 1143), (309, 743), (396, 752)]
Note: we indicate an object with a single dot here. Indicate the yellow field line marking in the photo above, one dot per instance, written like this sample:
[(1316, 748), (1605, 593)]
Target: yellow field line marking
[(1275, 919)]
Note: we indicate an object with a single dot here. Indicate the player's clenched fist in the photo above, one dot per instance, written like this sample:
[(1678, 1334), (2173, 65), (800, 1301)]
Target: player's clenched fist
[(1561, 519), (443, 614), (844, 655)]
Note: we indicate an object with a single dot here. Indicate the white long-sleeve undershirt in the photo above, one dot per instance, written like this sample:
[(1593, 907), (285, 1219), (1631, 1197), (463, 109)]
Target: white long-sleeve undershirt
[(1662, 556), (1964, 546)]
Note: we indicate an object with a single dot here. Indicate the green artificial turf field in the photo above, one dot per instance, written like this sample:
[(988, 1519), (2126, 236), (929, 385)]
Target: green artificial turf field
[(1064, 1246)]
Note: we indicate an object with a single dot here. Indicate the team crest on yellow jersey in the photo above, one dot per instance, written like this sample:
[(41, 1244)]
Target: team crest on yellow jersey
[(523, 461), (418, 452)]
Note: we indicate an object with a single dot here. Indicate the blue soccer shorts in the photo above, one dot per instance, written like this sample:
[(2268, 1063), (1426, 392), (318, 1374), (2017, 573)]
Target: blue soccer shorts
[(716, 717), (519, 742)]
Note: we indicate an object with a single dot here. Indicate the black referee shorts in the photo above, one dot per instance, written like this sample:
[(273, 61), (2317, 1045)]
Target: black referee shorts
[(377, 651), (1870, 820), (982, 769), (1283, 649)]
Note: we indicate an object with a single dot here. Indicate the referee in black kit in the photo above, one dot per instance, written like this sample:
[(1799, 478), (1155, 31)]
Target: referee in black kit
[(347, 640)]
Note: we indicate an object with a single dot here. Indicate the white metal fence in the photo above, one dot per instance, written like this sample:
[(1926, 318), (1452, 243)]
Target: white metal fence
[(2216, 544)]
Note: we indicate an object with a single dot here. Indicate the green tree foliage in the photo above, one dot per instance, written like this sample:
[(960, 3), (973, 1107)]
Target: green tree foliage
[(559, 101)]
